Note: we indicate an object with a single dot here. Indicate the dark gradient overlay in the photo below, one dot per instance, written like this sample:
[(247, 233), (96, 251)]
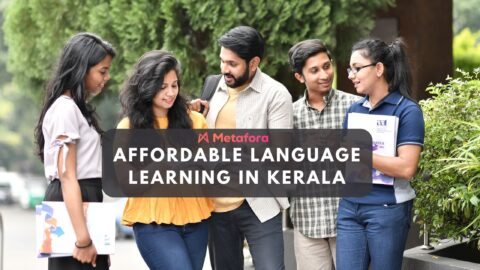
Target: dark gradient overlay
[(237, 162)]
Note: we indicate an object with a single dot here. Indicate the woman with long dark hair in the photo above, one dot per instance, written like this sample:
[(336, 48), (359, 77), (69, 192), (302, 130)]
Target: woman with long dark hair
[(171, 233), (68, 140), (373, 229)]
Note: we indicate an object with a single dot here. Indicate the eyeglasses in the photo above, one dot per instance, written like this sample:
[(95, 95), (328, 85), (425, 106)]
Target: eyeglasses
[(355, 70)]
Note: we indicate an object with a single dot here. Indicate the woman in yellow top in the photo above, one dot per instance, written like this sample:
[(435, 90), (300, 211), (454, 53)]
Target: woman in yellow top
[(171, 233)]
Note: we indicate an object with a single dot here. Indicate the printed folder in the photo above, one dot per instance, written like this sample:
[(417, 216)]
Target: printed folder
[(383, 129), (55, 234)]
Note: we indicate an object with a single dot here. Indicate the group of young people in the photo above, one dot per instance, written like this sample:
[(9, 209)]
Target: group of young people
[(173, 233)]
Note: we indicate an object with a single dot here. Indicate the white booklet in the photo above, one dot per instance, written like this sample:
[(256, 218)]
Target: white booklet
[(55, 234), (383, 129)]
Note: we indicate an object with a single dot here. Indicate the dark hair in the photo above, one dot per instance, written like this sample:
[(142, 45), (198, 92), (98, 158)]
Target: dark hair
[(245, 41), (300, 52), (393, 57), (80, 53), (145, 82)]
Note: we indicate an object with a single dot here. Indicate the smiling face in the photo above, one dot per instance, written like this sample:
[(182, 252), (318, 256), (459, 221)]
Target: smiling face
[(165, 98), (236, 71), (366, 78), (97, 76), (317, 74)]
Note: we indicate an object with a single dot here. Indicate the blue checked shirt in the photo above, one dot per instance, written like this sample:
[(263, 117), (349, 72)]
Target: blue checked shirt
[(316, 217)]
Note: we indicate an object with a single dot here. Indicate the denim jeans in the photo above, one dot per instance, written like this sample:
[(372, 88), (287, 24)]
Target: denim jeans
[(229, 229), (372, 234), (168, 247)]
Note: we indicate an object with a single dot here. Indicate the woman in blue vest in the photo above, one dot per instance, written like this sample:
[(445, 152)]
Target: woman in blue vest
[(373, 229)]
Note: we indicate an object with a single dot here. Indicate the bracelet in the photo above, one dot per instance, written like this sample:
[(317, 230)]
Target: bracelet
[(87, 245)]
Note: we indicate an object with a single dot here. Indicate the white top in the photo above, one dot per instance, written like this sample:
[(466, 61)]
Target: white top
[(64, 118)]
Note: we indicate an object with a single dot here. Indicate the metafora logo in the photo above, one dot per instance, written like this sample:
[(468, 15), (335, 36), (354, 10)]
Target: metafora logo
[(220, 137)]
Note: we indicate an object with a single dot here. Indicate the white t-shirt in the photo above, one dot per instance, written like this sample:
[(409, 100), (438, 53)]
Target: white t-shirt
[(64, 118)]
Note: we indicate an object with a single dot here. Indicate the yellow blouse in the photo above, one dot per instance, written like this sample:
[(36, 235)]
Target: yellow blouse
[(177, 211)]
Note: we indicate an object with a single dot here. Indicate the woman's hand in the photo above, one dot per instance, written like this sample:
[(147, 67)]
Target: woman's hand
[(84, 250), (86, 254)]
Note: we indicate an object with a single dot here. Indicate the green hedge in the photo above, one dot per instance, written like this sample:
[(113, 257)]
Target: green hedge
[(447, 185), (466, 50)]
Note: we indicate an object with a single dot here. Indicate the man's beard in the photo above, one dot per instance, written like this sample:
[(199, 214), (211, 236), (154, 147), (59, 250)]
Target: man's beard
[(240, 80)]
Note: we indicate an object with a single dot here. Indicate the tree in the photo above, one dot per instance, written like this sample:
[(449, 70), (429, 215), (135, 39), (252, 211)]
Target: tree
[(4, 75), (16, 132), (189, 28)]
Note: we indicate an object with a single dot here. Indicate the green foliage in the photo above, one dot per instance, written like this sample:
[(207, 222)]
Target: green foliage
[(188, 28), (4, 76), (466, 161), (35, 31), (448, 201), (18, 114), (466, 50), (32, 48), (466, 14)]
